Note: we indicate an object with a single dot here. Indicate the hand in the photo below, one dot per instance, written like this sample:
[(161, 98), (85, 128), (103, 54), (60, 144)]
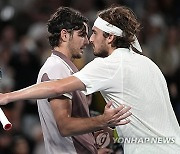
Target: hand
[(3, 99), (117, 116), (104, 151)]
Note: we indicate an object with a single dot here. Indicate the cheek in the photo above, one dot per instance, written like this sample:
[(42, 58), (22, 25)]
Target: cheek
[(80, 41), (95, 41), (100, 43), (76, 44)]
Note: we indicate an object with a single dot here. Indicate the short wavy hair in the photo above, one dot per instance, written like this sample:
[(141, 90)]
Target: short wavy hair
[(64, 18), (123, 18)]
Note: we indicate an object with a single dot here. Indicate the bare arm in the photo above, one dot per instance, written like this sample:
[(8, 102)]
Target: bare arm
[(70, 126), (43, 90)]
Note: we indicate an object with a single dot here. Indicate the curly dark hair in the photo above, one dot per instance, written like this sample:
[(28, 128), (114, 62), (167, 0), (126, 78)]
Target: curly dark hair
[(65, 18), (123, 18)]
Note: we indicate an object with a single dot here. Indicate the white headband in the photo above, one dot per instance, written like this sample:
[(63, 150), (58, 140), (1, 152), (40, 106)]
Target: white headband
[(109, 28)]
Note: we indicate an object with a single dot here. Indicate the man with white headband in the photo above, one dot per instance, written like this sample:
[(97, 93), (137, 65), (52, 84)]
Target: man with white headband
[(123, 76)]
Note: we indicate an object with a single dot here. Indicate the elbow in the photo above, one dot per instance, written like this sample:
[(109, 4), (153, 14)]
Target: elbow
[(64, 129), (64, 132)]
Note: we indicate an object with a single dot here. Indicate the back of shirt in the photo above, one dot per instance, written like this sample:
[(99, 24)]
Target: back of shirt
[(132, 79)]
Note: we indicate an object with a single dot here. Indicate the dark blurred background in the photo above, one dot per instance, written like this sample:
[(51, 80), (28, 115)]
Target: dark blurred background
[(24, 48)]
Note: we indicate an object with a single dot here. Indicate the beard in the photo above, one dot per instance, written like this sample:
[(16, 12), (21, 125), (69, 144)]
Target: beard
[(76, 56), (75, 52), (102, 53)]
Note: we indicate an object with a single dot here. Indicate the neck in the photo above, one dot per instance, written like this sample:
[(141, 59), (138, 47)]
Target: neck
[(111, 49), (65, 52)]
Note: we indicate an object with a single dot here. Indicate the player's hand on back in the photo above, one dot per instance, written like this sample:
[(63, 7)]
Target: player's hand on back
[(116, 116)]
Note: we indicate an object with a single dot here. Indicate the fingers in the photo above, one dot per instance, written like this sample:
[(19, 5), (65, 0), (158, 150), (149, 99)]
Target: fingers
[(116, 116), (123, 119), (123, 122), (118, 109), (120, 115), (119, 122), (125, 109), (124, 116), (123, 113), (108, 105)]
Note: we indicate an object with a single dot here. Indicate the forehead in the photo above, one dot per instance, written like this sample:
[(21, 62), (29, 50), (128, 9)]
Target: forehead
[(94, 28), (84, 30)]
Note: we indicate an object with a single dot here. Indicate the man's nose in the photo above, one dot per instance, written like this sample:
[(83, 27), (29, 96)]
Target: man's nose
[(86, 40), (91, 39)]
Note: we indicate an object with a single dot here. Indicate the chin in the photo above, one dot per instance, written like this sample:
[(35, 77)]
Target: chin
[(77, 56), (101, 54)]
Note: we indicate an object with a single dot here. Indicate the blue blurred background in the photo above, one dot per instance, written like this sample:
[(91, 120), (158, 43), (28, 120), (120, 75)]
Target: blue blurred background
[(24, 48)]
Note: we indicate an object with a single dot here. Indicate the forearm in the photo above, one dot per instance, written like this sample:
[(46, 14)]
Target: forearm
[(78, 126), (70, 126), (37, 91), (42, 90)]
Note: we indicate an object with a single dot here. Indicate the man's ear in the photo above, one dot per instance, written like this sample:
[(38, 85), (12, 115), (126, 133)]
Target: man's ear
[(64, 35), (110, 38)]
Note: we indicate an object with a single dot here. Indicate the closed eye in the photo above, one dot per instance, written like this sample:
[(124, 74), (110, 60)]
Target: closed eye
[(93, 31)]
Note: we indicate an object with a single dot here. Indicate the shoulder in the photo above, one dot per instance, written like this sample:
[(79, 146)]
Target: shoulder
[(55, 68), (54, 62)]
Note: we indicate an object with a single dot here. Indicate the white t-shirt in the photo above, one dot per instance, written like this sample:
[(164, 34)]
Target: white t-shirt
[(57, 66), (132, 79)]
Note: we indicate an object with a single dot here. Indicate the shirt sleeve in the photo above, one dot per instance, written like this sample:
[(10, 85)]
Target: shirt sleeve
[(96, 75)]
